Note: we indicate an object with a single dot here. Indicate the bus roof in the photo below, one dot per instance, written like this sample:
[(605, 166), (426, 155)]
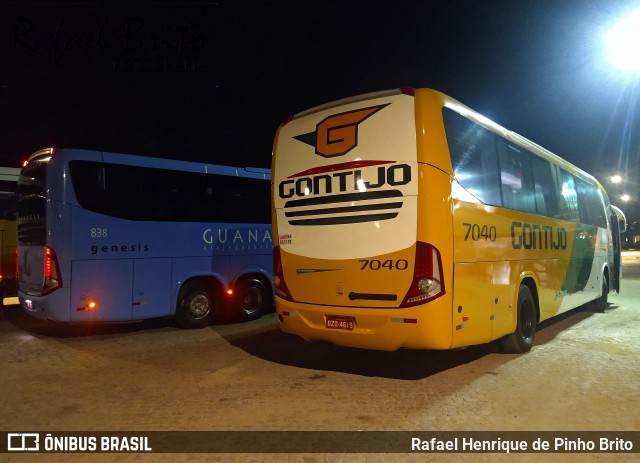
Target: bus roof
[(152, 162)]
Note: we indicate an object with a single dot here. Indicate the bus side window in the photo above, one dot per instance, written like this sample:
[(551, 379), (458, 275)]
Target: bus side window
[(569, 197), (546, 191), (515, 175), (473, 157), (590, 204)]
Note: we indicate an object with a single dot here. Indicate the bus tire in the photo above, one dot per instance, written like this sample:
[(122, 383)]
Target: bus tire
[(521, 340), (600, 304), (253, 298), (196, 305)]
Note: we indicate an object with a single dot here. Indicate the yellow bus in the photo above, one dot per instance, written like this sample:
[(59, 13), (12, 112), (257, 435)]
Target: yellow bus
[(8, 240), (406, 219)]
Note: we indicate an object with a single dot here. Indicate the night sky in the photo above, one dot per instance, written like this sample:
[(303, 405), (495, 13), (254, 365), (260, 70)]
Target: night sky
[(211, 81)]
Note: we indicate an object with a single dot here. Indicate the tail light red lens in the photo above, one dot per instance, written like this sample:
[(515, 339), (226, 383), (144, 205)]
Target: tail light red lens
[(278, 276), (427, 283), (52, 280)]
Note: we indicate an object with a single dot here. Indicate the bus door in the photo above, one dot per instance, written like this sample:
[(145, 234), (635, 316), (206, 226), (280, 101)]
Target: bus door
[(618, 225)]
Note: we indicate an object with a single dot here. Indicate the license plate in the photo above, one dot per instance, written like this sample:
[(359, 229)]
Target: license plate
[(340, 323)]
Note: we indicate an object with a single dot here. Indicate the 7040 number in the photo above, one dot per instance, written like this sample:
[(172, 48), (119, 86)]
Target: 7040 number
[(374, 264), (477, 232)]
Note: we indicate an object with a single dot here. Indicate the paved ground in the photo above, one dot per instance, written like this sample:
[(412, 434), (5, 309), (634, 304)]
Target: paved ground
[(582, 374)]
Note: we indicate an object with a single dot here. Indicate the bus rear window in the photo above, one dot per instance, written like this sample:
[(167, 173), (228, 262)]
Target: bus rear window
[(33, 179)]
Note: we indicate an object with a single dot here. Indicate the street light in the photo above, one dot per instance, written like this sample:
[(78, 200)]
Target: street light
[(623, 43), (616, 179), (625, 198)]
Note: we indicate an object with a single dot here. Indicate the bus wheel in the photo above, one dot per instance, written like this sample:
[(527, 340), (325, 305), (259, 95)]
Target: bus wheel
[(253, 298), (196, 305), (600, 304), (521, 340)]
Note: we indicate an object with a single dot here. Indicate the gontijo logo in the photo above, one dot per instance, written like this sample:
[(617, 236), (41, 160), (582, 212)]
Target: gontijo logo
[(338, 134)]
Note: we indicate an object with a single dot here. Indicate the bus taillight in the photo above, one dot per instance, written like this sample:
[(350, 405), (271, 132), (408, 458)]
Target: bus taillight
[(427, 283), (278, 276), (47, 262), (52, 279)]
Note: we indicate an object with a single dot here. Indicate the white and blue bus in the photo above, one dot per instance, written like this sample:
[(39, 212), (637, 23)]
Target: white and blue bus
[(115, 237)]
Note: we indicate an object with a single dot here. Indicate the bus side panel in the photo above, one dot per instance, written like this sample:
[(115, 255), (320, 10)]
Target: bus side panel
[(106, 282), (565, 259), (151, 288), (474, 302)]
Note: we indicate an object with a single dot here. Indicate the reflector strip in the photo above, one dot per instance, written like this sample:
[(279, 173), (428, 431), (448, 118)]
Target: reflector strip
[(404, 320)]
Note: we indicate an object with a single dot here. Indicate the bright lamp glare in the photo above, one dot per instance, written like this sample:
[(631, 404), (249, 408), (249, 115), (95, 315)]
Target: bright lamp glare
[(623, 43)]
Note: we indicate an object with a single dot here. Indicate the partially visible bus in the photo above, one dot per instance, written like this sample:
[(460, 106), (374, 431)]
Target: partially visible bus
[(115, 237), (8, 182), (405, 219)]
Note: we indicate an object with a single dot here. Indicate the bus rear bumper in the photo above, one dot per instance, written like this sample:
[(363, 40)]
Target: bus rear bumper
[(32, 307), (379, 329), (45, 307)]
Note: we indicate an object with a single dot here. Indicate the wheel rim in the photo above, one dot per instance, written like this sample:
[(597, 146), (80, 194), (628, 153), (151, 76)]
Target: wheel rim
[(251, 300), (198, 305), (527, 317)]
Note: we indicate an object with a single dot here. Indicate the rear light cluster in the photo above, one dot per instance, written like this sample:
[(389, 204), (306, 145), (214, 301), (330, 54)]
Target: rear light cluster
[(52, 279), (427, 283), (278, 276), (45, 151)]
